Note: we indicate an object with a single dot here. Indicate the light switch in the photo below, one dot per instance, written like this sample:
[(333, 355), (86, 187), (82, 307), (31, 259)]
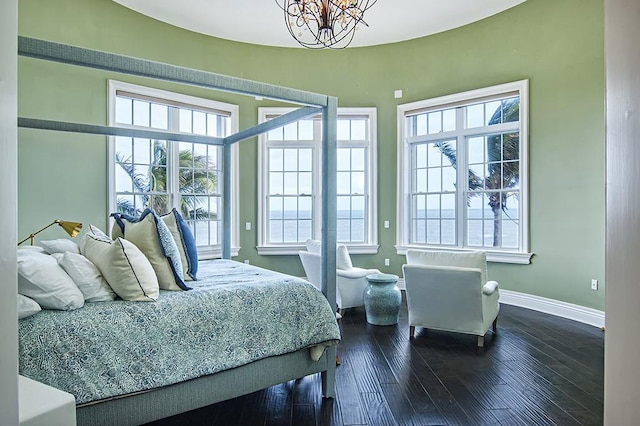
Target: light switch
[(386, 224)]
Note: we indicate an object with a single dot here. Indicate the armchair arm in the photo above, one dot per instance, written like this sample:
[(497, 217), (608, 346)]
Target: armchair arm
[(355, 272), (489, 288)]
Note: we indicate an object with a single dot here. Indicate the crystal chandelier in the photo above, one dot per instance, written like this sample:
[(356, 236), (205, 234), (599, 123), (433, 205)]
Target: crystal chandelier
[(324, 23)]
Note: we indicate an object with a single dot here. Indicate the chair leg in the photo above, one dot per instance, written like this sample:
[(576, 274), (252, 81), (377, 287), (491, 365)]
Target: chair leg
[(480, 341), (495, 325), (412, 332)]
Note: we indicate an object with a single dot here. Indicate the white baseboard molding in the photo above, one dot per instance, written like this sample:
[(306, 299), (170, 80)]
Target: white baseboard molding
[(566, 310), (570, 311), (401, 285)]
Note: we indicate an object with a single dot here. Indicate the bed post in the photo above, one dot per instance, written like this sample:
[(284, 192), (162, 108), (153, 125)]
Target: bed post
[(329, 233), (226, 200)]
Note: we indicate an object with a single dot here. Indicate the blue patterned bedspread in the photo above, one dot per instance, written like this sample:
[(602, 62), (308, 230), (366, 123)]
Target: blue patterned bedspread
[(234, 315)]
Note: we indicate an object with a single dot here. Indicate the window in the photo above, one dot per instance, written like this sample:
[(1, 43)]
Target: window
[(160, 174), (290, 191), (463, 160)]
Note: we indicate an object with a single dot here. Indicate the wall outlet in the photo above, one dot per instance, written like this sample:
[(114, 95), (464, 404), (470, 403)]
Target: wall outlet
[(247, 226), (386, 262), (594, 284), (246, 261)]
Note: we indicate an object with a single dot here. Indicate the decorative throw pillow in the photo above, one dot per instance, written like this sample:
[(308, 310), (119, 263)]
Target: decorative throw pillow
[(27, 306), (60, 245), (184, 240), (125, 267), (42, 279), (87, 277), (343, 259), (96, 232), (116, 231), (150, 234)]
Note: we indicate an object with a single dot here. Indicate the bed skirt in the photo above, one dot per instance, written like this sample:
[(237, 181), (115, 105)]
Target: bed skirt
[(181, 397)]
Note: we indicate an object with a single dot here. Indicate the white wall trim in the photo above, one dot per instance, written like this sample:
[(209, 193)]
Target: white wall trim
[(370, 246), (403, 203), (566, 310), (401, 284), (558, 308)]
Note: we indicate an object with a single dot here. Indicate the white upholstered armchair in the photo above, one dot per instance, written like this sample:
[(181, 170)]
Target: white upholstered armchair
[(449, 291), (350, 280)]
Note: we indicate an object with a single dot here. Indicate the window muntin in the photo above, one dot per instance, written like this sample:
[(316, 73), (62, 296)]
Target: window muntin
[(433, 186), (290, 194), (164, 174), (465, 178), (290, 167)]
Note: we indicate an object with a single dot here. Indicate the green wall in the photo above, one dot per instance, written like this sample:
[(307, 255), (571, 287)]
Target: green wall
[(557, 45)]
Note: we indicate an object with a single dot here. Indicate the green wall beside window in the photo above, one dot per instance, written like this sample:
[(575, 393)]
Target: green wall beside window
[(558, 46)]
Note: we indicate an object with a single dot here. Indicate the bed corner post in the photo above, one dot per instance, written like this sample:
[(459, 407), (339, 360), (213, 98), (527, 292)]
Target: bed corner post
[(329, 224), (226, 200)]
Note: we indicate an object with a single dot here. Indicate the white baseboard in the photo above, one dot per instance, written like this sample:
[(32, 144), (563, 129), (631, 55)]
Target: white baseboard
[(566, 310), (570, 311), (401, 285)]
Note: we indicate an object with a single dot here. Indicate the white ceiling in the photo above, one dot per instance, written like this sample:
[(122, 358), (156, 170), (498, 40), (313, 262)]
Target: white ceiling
[(262, 21)]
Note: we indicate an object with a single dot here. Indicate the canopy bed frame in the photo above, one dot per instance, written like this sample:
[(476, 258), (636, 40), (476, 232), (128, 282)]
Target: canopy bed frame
[(170, 400)]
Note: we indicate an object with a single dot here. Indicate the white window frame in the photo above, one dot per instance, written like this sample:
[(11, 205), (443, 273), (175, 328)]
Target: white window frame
[(521, 255), (371, 246), (208, 252)]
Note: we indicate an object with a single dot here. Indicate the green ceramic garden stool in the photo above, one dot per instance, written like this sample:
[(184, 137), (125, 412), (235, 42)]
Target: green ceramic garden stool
[(382, 299)]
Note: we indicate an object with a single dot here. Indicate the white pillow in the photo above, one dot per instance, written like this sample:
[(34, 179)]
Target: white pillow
[(42, 279), (125, 267), (27, 307), (151, 235), (87, 277), (343, 259), (30, 249), (60, 245)]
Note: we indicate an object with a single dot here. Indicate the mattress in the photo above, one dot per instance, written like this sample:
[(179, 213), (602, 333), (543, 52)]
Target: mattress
[(235, 314)]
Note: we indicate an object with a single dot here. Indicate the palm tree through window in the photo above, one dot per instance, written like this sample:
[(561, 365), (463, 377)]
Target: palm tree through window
[(160, 174)]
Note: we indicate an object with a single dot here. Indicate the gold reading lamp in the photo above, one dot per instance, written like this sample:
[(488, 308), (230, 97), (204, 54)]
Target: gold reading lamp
[(71, 228)]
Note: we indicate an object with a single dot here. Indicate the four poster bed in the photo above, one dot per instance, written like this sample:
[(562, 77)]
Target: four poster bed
[(228, 292)]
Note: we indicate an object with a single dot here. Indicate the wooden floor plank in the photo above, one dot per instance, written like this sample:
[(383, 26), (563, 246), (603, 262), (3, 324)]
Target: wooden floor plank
[(537, 370)]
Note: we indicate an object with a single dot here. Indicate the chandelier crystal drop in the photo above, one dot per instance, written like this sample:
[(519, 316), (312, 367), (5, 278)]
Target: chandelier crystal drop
[(317, 24)]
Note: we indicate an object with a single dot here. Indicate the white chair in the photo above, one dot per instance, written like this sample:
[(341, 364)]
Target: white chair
[(350, 280), (449, 291)]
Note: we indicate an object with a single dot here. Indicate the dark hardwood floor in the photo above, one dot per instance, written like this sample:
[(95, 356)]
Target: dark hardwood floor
[(537, 370)]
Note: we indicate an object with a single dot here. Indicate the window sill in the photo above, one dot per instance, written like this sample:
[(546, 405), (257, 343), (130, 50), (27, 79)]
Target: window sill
[(294, 249), (492, 256), (209, 253)]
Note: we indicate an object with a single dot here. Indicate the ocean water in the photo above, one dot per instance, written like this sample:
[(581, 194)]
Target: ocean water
[(427, 227)]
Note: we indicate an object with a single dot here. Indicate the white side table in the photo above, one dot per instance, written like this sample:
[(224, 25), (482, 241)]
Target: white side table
[(43, 405)]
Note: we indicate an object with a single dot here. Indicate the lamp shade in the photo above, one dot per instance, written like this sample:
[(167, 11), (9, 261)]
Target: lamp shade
[(71, 228)]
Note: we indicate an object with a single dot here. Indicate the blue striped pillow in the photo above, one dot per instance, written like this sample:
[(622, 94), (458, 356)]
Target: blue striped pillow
[(184, 240)]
